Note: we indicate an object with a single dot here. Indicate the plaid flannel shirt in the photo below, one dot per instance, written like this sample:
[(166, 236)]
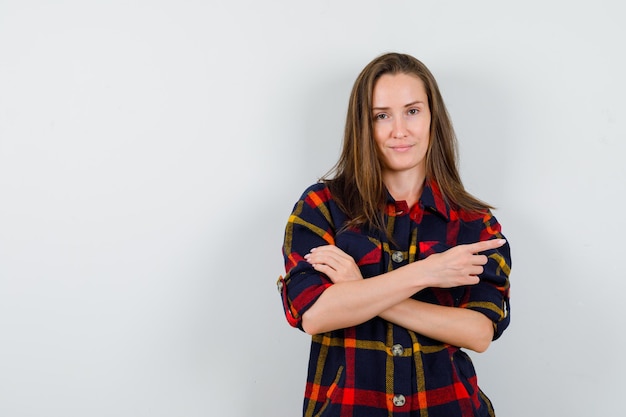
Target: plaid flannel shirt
[(378, 368)]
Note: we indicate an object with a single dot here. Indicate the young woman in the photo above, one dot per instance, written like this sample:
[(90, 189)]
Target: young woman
[(391, 266)]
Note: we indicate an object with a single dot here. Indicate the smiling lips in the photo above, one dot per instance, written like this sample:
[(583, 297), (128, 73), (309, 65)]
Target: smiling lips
[(401, 148)]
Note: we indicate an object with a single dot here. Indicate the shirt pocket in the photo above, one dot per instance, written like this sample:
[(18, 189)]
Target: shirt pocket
[(465, 372), (365, 250), (430, 247), (333, 403)]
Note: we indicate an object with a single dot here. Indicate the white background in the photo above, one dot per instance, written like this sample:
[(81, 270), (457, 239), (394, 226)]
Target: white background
[(151, 151)]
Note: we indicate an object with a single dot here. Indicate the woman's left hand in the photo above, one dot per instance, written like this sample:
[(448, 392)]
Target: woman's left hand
[(334, 263)]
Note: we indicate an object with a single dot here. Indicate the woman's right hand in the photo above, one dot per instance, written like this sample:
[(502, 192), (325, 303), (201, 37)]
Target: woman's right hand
[(457, 266), (335, 263)]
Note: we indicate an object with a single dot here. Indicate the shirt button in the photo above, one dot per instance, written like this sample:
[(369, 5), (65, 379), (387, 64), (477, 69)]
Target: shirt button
[(399, 400), (397, 256), (397, 350)]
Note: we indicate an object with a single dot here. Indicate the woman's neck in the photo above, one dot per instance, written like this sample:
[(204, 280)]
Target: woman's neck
[(405, 186)]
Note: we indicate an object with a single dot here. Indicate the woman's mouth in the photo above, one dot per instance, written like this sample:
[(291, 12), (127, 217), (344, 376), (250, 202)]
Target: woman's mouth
[(401, 148)]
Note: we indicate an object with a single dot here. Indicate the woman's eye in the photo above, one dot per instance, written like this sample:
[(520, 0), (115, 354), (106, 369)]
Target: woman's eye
[(381, 116), (413, 111)]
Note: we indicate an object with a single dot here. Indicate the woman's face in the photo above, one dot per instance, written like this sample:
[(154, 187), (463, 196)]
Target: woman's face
[(401, 123)]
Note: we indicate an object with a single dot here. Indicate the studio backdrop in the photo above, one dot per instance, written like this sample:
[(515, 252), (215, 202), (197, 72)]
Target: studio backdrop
[(151, 152)]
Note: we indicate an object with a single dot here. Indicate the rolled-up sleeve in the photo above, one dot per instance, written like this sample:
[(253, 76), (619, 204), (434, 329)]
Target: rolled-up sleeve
[(310, 225), (491, 295)]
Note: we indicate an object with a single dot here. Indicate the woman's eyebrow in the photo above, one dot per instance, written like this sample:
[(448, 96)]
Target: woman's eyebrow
[(413, 103)]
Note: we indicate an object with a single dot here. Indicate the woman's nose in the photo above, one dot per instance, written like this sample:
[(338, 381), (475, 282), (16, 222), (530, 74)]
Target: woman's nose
[(399, 128)]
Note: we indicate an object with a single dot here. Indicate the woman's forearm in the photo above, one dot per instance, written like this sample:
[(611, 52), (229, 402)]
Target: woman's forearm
[(452, 325), (351, 303)]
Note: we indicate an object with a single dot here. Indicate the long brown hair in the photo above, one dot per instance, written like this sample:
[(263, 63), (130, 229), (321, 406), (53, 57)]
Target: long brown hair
[(356, 182)]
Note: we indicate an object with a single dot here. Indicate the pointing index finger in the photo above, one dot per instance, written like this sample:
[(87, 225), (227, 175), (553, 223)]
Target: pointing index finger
[(487, 245)]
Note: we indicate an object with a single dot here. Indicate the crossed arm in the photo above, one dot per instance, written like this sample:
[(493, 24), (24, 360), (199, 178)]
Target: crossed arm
[(354, 300)]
